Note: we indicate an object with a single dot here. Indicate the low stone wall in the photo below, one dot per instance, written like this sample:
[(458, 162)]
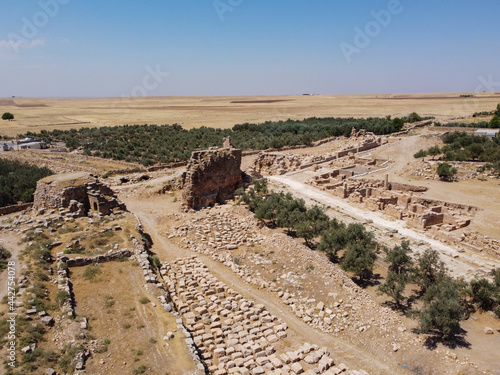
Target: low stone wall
[(83, 261), (15, 208), (452, 129)]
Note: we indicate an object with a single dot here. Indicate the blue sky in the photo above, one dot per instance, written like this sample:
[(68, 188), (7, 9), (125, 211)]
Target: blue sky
[(90, 48)]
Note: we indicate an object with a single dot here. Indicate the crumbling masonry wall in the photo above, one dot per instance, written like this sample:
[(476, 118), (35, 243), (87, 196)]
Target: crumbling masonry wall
[(211, 177), (78, 195)]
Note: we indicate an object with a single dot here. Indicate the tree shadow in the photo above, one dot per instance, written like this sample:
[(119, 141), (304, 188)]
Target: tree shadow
[(148, 241), (457, 339), (402, 307), (369, 280), (410, 301)]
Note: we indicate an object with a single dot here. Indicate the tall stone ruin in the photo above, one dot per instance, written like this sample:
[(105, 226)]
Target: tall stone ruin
[(212, 176)]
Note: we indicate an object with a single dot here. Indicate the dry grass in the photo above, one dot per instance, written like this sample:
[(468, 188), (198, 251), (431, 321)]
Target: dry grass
[(135, 331), (35, 114)]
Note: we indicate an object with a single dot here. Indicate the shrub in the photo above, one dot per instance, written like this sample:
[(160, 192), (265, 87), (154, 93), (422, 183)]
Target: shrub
[(4, 258), (7, 116), (420, 154), (90, 272), (445, 171), (144, 300)]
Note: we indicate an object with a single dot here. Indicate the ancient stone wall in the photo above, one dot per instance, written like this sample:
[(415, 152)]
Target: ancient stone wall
[(15, 208), (77, 193), (211, 177), (380, 195)]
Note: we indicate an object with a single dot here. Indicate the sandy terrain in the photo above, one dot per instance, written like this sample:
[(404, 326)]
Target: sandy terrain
[(35, 114)]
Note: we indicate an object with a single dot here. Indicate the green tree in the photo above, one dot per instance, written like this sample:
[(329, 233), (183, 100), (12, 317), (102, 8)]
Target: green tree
[(484, 293), (497, 111), (359, 259), (429, 269), (313, 223), (420, 154), (398, 124), (360, 255), (291, 212), (434, 151), (252, 199), (399, 265), (399, 258), (333, 239), (269, 207), (495, 121), (414, 117), (445, 171), (7, 116), (72, 143), (496, 276), (475, 150), (443, 308), (394, 286)]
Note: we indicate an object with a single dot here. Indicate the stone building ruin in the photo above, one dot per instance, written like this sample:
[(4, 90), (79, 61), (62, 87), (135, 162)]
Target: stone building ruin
[(211, 176), (397, 200), (80, 194)]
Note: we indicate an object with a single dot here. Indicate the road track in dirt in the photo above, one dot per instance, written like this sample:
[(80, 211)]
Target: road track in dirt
[(300, 332), (461, 264)]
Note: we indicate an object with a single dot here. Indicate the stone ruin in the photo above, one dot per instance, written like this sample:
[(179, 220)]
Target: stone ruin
[(211, 176), (274, 163), (233, 335), (397, 200), (77, 193)]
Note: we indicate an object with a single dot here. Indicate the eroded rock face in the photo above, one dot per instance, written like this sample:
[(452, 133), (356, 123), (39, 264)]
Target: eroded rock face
[(211, 177), (79, 193)]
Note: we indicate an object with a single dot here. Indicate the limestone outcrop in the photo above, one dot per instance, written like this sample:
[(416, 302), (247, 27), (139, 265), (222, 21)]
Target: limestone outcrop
[(211, 177), (78, 193)]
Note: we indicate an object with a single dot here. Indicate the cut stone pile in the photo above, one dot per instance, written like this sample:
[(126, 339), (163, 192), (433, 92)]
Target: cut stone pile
[(344, 309), (220, 231), (234, 335), (479, 242)]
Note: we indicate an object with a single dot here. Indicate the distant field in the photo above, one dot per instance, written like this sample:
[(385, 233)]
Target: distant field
[(35, 114)]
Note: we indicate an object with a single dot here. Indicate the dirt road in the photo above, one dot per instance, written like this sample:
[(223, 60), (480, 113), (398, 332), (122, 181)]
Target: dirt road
[(461, 264), (299, 331)]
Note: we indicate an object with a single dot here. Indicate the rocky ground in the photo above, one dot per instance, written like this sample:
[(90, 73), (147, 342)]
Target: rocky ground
[(229, 295)]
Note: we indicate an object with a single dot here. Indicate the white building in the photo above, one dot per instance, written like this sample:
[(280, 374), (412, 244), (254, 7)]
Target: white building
[(490, 133)]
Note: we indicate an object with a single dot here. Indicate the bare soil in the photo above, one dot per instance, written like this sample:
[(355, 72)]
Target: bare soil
[(135, 330)]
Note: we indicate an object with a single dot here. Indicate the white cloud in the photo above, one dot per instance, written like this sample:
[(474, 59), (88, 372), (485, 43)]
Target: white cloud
[(9, 47)]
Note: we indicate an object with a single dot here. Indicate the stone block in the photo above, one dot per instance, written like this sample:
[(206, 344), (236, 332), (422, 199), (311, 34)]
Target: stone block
[(297, 368)]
